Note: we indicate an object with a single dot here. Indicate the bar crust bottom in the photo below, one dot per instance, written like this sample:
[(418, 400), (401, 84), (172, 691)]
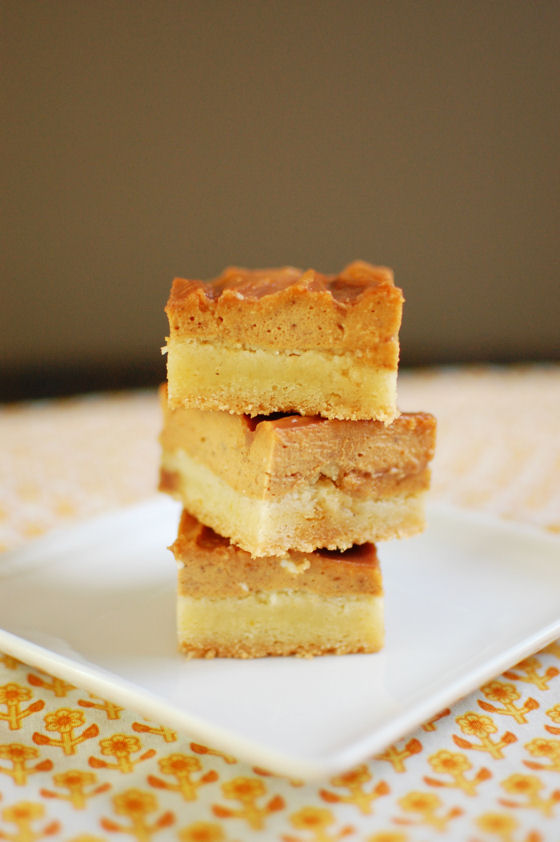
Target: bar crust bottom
[(280, 623)]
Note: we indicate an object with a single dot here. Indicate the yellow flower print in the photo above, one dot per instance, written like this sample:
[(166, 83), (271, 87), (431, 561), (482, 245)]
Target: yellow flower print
[(449, 762), (455, 764), (12, 692), (506, 695), (247, 791), (541, 747), (355, 781), (64, 720), (499, 823), (182, 767), (179, 764), (531, 667), (498, 691), (120, 745), (136, 805), (13, 695), (19, 755), (134, 802), (74, 778), (17, 752), (76, 782), (24, 814), (529, 788), (554, 713), (397, 756), (202, 832), (476, 724), (429, 807), (311, 818), (420, 802), (357, 775), (244, 789), (481, 726), (23, 811), (522, 784)]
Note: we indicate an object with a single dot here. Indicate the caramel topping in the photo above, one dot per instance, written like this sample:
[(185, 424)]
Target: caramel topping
[(257, 283), (281, 420)]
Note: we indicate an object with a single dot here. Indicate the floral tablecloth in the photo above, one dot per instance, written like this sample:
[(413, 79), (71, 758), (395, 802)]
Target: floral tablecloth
[(79, 768)]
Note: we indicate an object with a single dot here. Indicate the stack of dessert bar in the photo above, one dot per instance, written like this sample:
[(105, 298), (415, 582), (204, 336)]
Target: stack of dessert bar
[(283, 442)]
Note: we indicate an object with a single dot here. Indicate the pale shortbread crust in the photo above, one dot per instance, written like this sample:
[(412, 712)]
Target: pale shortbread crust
[(253, 382), (279, 623), (319, 515)]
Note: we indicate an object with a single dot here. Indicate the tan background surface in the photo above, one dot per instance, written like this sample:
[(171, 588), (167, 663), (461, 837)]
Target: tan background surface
[(147, 139)]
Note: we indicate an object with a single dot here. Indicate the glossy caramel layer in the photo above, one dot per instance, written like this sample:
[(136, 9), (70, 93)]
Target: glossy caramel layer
[(359, 309), (268, 456), (212, 566)]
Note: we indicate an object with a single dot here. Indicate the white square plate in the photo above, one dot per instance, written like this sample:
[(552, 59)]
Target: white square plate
[(464, 601)]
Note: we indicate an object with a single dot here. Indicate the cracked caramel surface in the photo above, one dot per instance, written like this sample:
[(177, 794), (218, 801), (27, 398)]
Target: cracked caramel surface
[(212, 566), (359, 309)]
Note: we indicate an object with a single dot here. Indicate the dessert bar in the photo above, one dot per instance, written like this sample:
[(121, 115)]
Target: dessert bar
[(276, 483), (232, 605), (283, 340)]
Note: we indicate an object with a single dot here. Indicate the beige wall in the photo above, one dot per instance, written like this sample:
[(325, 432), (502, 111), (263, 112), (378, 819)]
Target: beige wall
[(149, 139)]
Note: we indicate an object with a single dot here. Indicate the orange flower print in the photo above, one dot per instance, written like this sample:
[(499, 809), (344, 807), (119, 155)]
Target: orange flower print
[(182, 767), (498, 691), (200, 749), (137, 805), (355, 781), (86, 837), (19, 755), (111, 710), (24, 815), (397, 756), (498, 824), (506, 695), (450, 762), (541, 747), (134, 802), (12, 695), (554, 714), (311, 818), (531, 667), (121, 747), (202, 832), (65, 721), (244, 789), (57, 685), (80, 785), (476, 724), (455, 764), (429, 807), (168, 734), (176, 764), (247, 791), (529, 787), (481, 726), (316, 820)]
